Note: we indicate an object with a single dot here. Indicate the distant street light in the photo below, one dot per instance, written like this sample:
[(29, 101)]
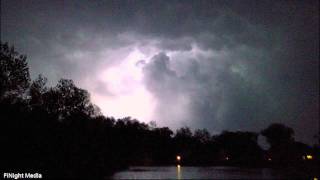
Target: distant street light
[(178, 158), (309, 157)]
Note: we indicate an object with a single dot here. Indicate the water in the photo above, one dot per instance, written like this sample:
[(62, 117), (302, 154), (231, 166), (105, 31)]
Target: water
[(181, 172)]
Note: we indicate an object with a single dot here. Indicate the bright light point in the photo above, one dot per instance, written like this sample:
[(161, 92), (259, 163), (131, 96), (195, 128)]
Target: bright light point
[(227, 158), (178, 166), (269, 159), (178, 158), (309, 157)]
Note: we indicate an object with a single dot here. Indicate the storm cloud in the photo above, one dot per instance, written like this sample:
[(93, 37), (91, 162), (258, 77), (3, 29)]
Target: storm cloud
[(220, 65)]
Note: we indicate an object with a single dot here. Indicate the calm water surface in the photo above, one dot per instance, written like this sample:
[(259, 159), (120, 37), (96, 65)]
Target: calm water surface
[(176, 172)]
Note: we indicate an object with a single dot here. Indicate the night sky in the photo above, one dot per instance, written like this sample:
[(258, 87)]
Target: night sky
[(220, 65)]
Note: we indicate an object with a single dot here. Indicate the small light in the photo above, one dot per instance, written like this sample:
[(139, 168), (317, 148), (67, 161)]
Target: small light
[(178, 166), (315, 178), (309, 157), (304, 157), (178, 158), (227, 158), (269, 159)]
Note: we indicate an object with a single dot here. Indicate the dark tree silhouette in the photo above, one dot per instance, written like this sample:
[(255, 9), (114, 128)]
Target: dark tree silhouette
[(284, 150), (202, 135), (37, 89), (66, 99), (14, 72), (184, 132), (184, 144), (277, 134), (239, 147)]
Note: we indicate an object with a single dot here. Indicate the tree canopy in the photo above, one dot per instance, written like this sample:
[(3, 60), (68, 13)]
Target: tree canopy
[(14, 72), (278, 134)]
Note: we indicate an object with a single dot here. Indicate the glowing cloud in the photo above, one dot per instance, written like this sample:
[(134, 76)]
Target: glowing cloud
[(124, 81)]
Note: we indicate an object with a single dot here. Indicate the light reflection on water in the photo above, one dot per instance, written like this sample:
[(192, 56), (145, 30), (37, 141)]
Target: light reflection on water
[(185, 172), (178, 171)]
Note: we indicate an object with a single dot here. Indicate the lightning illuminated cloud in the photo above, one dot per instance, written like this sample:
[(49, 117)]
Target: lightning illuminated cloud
[(206, 64)]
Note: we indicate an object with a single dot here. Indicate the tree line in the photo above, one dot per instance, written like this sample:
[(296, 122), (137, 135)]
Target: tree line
[(59, 132)]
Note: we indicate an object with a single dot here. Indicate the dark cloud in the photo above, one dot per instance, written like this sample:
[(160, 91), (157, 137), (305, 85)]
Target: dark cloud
[(213, 64), (220, 98)]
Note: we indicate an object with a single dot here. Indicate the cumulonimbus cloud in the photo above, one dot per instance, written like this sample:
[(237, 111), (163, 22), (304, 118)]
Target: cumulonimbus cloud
[(207, 64)]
